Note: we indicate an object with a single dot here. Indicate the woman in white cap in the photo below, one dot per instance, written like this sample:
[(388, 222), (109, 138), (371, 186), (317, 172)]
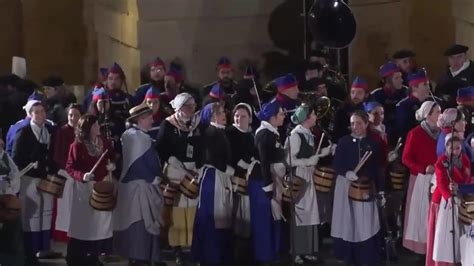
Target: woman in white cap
[(419, 156), (450, 120), (179, 144), (33, 143)]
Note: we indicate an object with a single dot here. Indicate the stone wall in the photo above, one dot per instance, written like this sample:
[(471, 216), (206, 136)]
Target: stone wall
[(384, 26), (11, 39)]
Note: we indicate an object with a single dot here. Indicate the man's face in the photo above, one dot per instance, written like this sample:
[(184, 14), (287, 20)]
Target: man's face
[(457, 61), (358, 95), (157, 73), (171, 84), (321, 90), (405, 64), (225, 75), (114, 81)]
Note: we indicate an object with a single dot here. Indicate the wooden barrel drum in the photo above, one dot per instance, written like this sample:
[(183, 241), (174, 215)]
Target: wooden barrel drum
[(323, 178), (10, 208), (466, 210), (103, 196), (241, 183), (397, 175), (53, 184), (361, 190), (297, 192), (189, 186)]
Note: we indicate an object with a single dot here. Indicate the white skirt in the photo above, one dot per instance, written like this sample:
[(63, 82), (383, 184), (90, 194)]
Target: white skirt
[(36, 206), (443, 247), (416, 229), (63, 216), (87, 223)]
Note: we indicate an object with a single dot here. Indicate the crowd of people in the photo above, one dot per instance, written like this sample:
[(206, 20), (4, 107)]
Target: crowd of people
[(237, 175)]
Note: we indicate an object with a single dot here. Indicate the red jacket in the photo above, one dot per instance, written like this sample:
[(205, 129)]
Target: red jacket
[(80, 162), (460, 176), (419, 151)]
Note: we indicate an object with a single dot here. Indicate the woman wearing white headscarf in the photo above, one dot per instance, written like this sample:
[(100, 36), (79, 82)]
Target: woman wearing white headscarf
[(179, 144), (451, 119), (419, 156)]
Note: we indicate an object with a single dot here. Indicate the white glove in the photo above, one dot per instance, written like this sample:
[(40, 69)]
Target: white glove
[(325, 151), (276, 211), (333, 149), (382, 199), (392, 156), (351, 176), (278, 169), (313, 160), (175, 162), (88, 177), (110, 167)]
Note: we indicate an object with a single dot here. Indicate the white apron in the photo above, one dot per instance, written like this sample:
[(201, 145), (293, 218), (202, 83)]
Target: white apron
[(353, 221), (306, 210), (416, 229), (86, 222), (36, 206), (63, 215), (443, 247), (467, 250), (176, 175)]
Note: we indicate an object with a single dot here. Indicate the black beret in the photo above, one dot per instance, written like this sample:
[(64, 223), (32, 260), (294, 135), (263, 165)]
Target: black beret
[(456, 49), (404, 53), (53, 81)]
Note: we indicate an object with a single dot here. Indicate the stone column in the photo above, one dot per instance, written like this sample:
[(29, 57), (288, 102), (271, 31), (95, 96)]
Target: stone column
[(11, 39)]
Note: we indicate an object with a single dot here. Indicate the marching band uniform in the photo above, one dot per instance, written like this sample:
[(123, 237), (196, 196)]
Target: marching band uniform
[(265, 190), (439, 248), (11, 239), (355, 224), (451, 81), (90, 230), (212, 236), (402, 55), (418, 154), (284, 84), (180, 140), (388, 96), (304, 159), (227, 85), (137, 216), (342, 124), (154, 93), (142, 89)]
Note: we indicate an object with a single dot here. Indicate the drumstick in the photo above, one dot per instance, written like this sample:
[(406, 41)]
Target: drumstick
[(362, 162), (27, 168), (361, 159), (98, 161), (320, 142)]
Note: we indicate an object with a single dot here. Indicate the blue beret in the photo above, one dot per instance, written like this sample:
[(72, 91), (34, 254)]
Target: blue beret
[(268, 110)]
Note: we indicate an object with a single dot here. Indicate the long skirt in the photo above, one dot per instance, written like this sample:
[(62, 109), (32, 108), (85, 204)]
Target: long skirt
[(210, 244), (145, 246), (432, 218), (266, 232), (359, 253), (415, 246), (306, 239), (181, 230)]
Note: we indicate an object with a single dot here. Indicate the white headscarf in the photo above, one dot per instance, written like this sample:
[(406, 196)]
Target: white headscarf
[(180, 100), (425, 109), (29, 105)]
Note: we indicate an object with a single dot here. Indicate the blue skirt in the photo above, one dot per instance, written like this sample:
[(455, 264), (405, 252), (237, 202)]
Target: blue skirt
[(359, 253), (146, 247), (266, 232), (210, 245)]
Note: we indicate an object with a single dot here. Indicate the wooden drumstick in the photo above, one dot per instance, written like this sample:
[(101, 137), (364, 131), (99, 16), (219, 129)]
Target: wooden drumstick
[(362, 162), (98, 161), (320, 142), (27, 168)]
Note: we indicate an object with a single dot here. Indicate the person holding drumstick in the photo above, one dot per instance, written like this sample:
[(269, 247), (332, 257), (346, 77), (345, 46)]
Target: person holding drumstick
[(90, 230), (355, 221)]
